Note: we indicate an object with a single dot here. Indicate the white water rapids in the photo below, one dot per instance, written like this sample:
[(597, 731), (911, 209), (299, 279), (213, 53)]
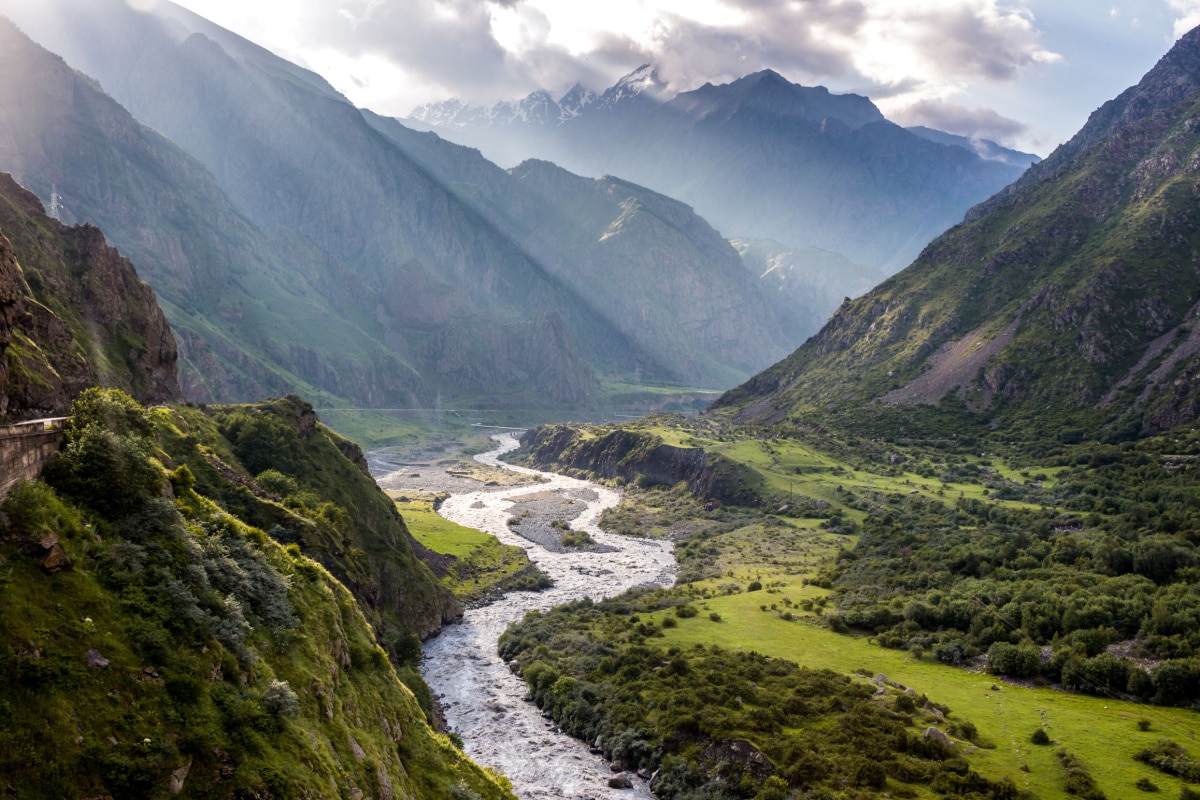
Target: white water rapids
[(483, 701)]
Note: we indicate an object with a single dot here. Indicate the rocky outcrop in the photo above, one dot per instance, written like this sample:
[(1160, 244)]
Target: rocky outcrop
[(639, 457), (73, 313)]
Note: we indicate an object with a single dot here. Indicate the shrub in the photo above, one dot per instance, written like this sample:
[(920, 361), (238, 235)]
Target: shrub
[(685, 611), (108, 471), (279, 699), (1146, 785), (1017, 662), (577, 539), (1040, 737), (714, 616), (275, 482), (109, 409)]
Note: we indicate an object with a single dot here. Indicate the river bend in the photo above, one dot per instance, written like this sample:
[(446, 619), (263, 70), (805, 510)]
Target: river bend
[(482, 700)]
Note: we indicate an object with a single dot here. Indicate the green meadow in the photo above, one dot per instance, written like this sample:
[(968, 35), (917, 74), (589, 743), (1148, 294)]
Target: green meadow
[(785, 555), (482, 564)]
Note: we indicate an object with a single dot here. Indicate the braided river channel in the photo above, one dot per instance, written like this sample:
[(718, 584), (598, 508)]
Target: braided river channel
[(482, 700)]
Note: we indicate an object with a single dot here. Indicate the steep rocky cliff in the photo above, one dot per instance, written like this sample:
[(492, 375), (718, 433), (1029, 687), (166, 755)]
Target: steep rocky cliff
[(73, 313), (638, 456)]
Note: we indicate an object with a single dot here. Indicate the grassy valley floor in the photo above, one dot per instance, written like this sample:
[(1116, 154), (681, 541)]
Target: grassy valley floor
[(779, 579)]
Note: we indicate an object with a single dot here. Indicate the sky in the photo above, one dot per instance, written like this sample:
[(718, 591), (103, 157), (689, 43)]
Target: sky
[(1025, 73)]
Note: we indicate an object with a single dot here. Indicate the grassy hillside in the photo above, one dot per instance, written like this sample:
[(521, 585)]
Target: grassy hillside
[(1061, 302), (153, 644), (275, 466)]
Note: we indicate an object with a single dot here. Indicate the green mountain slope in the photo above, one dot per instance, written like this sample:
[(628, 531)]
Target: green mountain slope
[(172, 649), (1071, 296), (73, 313), (315, 492)]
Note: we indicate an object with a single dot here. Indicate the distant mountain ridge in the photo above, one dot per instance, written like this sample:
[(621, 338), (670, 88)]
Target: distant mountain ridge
[(422, 287), (1070, 298), (759, 157)]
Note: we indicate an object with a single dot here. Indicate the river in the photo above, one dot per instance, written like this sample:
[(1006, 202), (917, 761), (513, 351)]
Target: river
[(482, 700)]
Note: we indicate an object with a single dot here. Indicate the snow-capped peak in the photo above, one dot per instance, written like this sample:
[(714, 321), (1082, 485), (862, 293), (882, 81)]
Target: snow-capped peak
[(642, 82)]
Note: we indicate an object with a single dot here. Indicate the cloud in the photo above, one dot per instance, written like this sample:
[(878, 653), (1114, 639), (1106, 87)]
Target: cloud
[(397, 53), (974, 123), (1187, 15)]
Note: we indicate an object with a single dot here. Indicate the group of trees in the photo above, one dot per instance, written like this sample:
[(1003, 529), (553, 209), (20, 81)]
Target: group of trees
[(738, 724), (1086, 592)]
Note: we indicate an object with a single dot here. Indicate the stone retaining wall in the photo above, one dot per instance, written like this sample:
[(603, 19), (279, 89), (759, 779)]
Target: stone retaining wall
[(25, 447)]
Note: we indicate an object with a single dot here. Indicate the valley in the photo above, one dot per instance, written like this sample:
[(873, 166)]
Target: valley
[(482, 700), (722, 438)]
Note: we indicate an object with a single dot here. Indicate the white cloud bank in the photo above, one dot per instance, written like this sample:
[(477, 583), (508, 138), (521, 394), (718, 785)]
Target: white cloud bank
[(920, 60)]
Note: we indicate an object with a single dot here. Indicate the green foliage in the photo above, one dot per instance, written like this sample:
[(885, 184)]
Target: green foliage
[(178, 642), (577, 539), (109, 409), (1040, 737), (1167, 756), (274, 481), (280, 700), (1017, 662), (31, 508), (106, 461), (981, 577), (595, 669), (1079, 781), (331, 507)]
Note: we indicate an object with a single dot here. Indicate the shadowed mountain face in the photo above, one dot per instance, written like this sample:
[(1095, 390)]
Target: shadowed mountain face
[(242, 313), (73, 314), (760, 158), (487, 291), (1073, 294)]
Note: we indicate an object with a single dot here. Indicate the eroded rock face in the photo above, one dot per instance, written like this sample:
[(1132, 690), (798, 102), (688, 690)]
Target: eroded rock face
[(73, 313)]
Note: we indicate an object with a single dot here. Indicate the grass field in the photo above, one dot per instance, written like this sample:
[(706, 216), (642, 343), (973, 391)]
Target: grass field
[(1103, 733), (483, 564)]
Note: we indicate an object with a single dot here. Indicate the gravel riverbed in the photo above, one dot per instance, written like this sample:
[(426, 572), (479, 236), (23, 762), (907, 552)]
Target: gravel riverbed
[(482, 700)]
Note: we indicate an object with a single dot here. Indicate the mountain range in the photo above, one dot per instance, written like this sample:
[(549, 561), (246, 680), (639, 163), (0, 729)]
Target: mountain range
[(1068, 299), (759, 157), (299, 243)]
